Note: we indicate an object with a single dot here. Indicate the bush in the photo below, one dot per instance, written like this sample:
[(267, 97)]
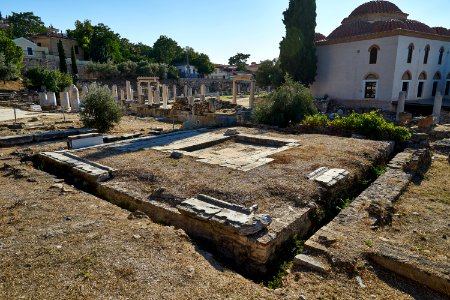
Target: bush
[(289, 104), (372, 125), (51, 80), (100, 109), (103, 71)]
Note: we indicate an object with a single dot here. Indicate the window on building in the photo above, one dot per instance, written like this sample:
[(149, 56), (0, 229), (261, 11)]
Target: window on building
[(427, 52), (373, 54), (406, 78), (420, 89), (410, 53), (39, 44), (437, 77), (77, 51), (441, 55), (29, 51), (370, 86)]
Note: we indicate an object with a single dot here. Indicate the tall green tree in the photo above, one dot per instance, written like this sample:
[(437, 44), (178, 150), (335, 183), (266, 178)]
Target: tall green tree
[(297, 49), (8, 70), (269, 74), (24, 24), (73, 59), (166, 50), (105, 45), (83, 33), (62, 58), (203, 64), (12, 57), (239, 60)]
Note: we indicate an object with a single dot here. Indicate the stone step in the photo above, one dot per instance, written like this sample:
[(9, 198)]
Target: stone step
[(312, 263)]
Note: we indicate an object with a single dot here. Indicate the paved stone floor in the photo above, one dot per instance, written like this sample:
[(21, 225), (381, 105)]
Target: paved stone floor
[(7, 114)]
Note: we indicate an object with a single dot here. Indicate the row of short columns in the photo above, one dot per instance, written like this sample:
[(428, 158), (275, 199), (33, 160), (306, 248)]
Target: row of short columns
[(437, 106), (69, 99)]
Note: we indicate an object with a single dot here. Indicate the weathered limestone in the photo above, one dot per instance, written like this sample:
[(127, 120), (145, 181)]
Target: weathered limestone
[(437, 107), (74, 98), (202, 90), (115, 93), (174, 91), (185, 91), (328, 177), (401, 104), (212, 105), (128, 91), (140, 94), (311, 263), (233, 217), (43, 99), (252, 95), (84, 140), (156, 97), (51, 99), (122, 95), (65, 101), (84, 92), (190, 92), (165, 96), (234, 93), (150, 99)]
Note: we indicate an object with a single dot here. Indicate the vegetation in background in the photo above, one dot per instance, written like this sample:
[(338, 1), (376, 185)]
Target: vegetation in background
[(239, 60), (100, 109), (51, 80), (298, 49), (372, 125), (12, 58), (24, 24), (62, 58), (289, 104), (110, 70), (269, 74)]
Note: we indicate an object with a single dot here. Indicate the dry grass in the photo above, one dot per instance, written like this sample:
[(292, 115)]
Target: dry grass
[(71, 245), (13, 86), (273, 186)]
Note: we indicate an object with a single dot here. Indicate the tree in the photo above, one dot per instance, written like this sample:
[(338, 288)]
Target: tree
[(166, 50), (100, 109), (13, 54), (51, 80), (269, 74), (8, 70), (288, 105), (74, 61), (62, 58), (105, 45), (239, 60), (203, 64), (297, 49), (83, 33), (24, 25)]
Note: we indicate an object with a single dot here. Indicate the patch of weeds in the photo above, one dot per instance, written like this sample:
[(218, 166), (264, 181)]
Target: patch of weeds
[(87, 263), (283, 263), (85, 275), (369, 243), (377, 171)]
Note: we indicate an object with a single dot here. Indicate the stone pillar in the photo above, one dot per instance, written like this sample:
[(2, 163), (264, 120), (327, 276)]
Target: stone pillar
[(174, 91), (149, 92), (75, 98), (190, 92), (84, 92), (185, 91), (212, 105), (165, 96), (51, 99), (139, 92), (239, 88), (151, 100), (128, 90), (43, 99), (115, 94), (65, 101), (401, 103), (122, 95), (252, 95), (156, 97), (191, 100), (437, 107), (202, 90), (234, 93)]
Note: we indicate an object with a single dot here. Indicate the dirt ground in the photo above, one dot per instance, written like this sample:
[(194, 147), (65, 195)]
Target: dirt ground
[(58, 121), (273, 186)]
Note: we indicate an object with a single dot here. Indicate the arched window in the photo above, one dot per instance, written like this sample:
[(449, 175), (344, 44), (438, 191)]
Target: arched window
[(436, 78), (406, 78), (373, 54), (370, 86), (422, 79), (410, 53), (441, 55), (447, 85), (427, 52)]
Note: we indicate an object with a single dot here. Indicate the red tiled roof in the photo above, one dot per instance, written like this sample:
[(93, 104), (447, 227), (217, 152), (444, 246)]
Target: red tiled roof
[(441, 31), (376, 7), (319, 37)]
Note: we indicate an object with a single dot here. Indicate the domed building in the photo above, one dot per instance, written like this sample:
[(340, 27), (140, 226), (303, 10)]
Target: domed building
[(377, 52)]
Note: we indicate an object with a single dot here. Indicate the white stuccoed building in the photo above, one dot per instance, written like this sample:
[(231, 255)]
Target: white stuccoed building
[(376, 53)]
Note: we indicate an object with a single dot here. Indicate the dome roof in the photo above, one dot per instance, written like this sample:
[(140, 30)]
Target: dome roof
[(376, 7), (441, 31), (349, 29)]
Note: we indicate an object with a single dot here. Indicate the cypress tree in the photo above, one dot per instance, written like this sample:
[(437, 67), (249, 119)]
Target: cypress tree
[(74, 61), (62, 58), (298, 49)]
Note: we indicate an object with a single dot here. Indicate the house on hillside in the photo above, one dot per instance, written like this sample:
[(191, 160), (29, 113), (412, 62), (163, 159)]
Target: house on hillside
[(377, 52), (187, 71)]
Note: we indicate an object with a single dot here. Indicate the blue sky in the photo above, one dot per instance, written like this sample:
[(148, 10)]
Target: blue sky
[(219, 28)]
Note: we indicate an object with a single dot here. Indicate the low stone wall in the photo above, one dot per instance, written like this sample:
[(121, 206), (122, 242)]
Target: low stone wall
[(8, 141)]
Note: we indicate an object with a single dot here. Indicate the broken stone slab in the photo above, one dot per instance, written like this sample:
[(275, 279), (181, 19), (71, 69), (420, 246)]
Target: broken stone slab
[(235, 218), (310, 262), (328, 177)]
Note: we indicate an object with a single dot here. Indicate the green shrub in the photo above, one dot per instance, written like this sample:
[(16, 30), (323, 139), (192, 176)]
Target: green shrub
[(107, 70), (372, 125), (51, 80), (100, 109), (289, 104)]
